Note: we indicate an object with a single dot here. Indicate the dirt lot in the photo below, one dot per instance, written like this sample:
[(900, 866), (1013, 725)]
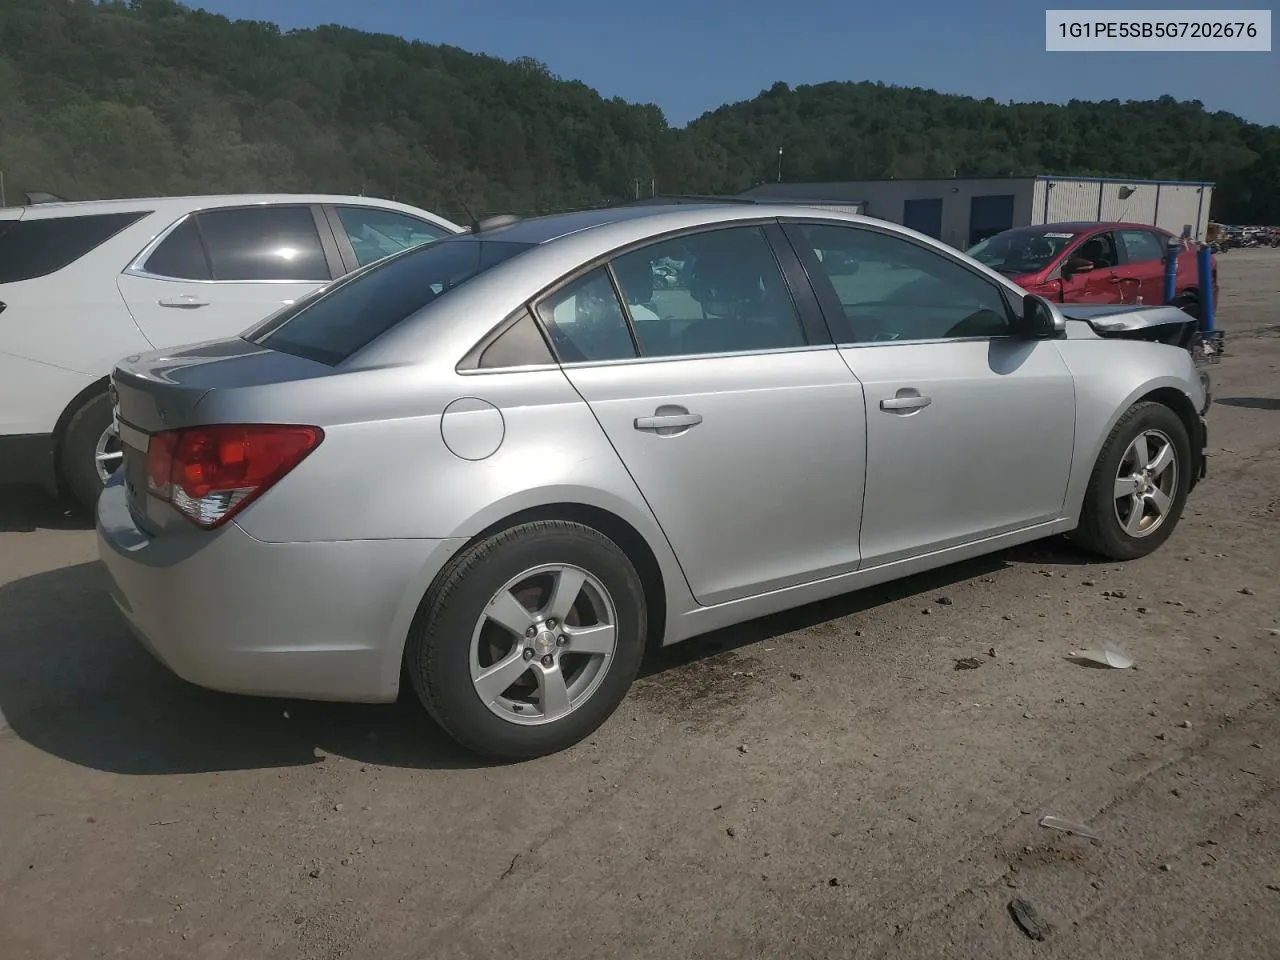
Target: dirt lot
[(819, 784)]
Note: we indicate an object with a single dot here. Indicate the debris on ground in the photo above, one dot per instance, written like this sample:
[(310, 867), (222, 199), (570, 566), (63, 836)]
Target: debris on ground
[(944, 601), (968, 663), (1107, 656), (1068, 826), (1026, 917), (991, 652)]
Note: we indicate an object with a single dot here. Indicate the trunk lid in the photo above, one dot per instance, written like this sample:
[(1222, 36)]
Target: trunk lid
[(163, 390)]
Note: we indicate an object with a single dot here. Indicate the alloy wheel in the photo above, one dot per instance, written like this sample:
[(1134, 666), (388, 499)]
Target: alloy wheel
[(543, 644), (1146, 483)]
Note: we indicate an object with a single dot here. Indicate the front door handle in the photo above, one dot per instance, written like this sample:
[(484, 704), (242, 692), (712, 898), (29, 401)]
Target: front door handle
[(184, 302), (670, 421), (905, 401)]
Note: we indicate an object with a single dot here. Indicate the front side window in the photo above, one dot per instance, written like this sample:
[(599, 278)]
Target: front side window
[(892, 289), (375, 233), (716, 292), (263, 243), (346, 316), (38, 247), (586, 322), (1141, 245), (1100, 250)]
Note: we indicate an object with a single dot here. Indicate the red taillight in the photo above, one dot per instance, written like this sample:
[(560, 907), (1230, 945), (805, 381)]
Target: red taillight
[(211, 473)]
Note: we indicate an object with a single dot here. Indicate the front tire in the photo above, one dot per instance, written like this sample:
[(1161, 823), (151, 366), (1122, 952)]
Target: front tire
[(529, 640), (89, 452), (1139, 484)]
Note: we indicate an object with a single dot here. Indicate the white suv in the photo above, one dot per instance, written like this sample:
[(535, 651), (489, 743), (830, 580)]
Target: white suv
[(84, 284)]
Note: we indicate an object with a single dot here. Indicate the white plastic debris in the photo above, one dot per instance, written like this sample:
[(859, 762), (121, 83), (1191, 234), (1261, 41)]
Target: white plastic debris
[(1068, 826), (1104, 657)]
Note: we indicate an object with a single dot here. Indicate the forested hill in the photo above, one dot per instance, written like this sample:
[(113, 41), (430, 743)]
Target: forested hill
[(113, 98)]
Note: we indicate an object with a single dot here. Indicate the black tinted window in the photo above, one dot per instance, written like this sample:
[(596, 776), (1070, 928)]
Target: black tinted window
[(586, 321), (892, 289), (264, 243), (37, 248), (180, 255), (715, 292), (350, 314)]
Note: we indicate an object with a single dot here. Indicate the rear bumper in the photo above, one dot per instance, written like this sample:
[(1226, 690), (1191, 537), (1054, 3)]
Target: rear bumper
[(28, 459), (321, 620)]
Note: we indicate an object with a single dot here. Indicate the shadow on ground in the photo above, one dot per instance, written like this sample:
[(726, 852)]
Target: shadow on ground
[(1252, 403), (76, 684), (25, 509)]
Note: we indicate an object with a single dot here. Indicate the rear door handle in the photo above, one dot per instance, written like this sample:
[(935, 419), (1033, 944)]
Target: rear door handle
[(915, 402), (671, 421), (187, 301)]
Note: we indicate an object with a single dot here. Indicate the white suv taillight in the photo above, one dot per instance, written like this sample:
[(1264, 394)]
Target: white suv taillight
[(211, 473)]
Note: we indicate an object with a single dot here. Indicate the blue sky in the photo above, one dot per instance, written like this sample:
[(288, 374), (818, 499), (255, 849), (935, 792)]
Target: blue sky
[(692, 56)]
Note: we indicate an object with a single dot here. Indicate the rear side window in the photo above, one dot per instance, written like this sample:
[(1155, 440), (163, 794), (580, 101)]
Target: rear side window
[(1141, 245), (263, 243), (376, 233), (353, 312), (180, 255), (37, 248)]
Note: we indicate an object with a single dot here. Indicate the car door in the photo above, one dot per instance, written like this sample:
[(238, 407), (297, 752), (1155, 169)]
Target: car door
[(969, 430), (1143, 267), (1100, 284), (721, 393), (217, 272), (366, 234)]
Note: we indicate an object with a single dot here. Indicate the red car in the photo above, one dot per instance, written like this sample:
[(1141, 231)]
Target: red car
[(1094, 263)]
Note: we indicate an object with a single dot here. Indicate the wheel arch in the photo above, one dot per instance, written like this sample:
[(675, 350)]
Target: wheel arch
[(656, 567), (1177, 401), (631, 541), (98, 386)]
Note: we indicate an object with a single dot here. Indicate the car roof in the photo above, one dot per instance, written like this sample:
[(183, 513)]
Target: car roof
[(178, 205), (653, 219), (1084, 226)]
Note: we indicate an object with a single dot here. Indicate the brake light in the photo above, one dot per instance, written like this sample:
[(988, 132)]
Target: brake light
[(211, 473)]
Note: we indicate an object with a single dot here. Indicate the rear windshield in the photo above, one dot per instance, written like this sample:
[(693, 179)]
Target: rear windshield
[(37, 248), (337, 320)]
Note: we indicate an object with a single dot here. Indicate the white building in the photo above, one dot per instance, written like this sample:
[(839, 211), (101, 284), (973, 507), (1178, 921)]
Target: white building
[(961, 211)]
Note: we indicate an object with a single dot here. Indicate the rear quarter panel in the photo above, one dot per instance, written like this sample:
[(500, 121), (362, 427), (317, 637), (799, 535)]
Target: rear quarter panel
[(1111, 376), (385, 470)]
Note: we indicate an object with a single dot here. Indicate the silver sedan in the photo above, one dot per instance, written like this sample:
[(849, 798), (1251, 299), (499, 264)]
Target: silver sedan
[(505, 464)]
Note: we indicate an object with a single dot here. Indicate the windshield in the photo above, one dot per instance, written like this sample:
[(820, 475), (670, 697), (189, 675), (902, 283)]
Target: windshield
[(1021, 251), (337, 320)]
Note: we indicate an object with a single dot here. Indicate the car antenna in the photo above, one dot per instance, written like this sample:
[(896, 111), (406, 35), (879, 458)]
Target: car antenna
[(474, 222)]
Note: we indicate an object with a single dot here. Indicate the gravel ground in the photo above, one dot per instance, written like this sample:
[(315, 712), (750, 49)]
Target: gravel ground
[(823, 783)]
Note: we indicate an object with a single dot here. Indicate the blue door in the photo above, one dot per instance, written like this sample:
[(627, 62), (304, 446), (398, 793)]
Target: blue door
[(924, 215), (989, 216)]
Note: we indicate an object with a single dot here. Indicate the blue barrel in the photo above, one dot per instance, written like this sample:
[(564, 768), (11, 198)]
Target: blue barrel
[(1171, 270), (1205, 261)]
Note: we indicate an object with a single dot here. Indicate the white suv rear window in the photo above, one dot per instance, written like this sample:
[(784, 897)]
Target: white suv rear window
[(37, 248)]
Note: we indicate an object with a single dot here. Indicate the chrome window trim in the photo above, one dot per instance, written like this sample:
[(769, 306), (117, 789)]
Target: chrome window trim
[(134, 269)]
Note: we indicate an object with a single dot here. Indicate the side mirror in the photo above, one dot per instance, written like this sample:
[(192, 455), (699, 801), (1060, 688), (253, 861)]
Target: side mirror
[(1078, 265), (1041, 319)]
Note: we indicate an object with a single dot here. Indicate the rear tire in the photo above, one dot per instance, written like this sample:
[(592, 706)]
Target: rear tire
[(520, 680), (1189, 303), (1131, 507), (85, 441)]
